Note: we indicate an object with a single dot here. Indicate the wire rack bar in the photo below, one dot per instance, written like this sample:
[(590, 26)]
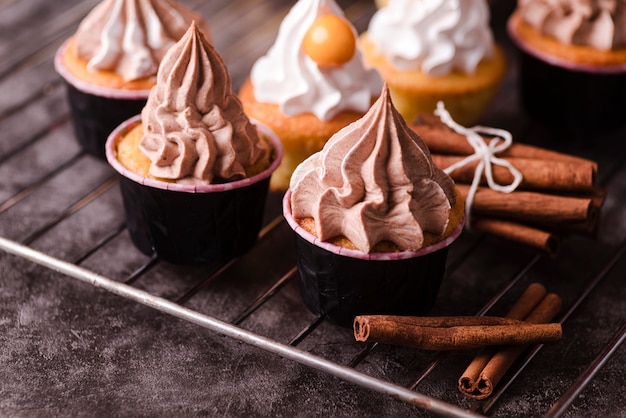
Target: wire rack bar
[(24, 193), (112, 181), (585, 378), (266, 295), (100, 243)]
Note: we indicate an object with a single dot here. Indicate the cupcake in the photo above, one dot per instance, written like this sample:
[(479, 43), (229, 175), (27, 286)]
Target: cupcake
[(110, 63), (373, 219), (436, 50), (572, 63), (194, 171), (310, 84)]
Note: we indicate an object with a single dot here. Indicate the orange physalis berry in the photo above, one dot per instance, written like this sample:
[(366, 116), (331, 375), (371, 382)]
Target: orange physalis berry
[(330, 41)]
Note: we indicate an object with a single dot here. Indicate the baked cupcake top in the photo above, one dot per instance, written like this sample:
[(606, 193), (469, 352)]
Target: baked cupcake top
[(374, 181), (600, 24), (435, 36), (195, 131), (289, 77), (130, 37)]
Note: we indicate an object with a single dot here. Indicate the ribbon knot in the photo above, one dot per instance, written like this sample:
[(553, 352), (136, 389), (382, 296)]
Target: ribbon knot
[(484, 153)]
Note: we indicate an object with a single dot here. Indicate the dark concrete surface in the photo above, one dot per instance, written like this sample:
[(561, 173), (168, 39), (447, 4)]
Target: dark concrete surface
[(68, 348)]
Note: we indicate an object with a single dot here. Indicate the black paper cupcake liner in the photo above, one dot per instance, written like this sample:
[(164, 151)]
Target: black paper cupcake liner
[(578, 100), (96, 111), (192, 224), (340, 284)]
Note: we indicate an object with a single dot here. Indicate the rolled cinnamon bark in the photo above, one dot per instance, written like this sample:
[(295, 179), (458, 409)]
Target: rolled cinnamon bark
[(502, 360), (468, 382), (532, 296), (545, 175), (532, 206), (461, 337), (433, 321), (440, 139), (367, 327), (539, 239), (588, 227), (527, 302)]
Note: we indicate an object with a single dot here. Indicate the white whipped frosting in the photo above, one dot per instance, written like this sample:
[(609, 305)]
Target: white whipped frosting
[(288, 77), (436, 37)]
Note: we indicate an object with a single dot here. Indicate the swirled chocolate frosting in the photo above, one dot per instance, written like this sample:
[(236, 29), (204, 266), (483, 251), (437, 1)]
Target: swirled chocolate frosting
[(130, 37), (374, 181), (195, 128), (600, 24)]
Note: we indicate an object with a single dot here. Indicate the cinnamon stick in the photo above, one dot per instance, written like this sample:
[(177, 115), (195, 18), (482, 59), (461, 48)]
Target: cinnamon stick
[(502, 360), (532, 296), (537, 174), (586, 227), (385, 327), (363, 322), (532, 206), (529, 236), (458, 337), (440, 139)]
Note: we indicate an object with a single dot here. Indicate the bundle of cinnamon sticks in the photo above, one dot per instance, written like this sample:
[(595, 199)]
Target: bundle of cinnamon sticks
[(501, 339), (558, 193), (535, 306)]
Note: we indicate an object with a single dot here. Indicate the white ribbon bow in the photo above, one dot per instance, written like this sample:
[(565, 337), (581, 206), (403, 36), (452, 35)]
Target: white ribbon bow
[(484, 153)]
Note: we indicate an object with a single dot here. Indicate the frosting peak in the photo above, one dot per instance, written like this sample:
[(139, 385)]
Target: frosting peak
[(374, 181), (436, 37), (130, 37), (600, 24), (195, 128), (287, 76)]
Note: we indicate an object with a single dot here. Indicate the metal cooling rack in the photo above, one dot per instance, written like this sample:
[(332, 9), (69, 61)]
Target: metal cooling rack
[(27, 81), (348, 372)]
